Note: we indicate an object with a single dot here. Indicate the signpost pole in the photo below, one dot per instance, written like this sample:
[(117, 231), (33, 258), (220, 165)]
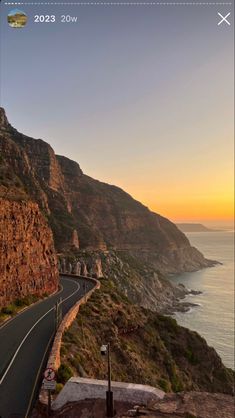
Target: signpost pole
[(49, 384), (49, 403)]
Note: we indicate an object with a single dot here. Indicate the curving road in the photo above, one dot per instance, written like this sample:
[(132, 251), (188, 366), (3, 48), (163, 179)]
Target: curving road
[(24, 345)]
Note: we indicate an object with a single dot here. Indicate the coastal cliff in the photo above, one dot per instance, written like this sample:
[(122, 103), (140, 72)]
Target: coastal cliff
[(98, 221), (28, 261), (28, 264), (101, 216)]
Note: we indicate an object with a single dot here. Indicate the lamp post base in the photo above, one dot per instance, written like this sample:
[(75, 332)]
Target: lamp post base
[(109, 404)]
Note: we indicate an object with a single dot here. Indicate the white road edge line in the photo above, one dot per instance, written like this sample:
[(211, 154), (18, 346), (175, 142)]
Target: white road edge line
[(37, 378), (31, 329), (9, 321)]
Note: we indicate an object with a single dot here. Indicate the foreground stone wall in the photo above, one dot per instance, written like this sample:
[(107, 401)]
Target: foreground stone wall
[(78, 389), (28, 262), (54, 358)]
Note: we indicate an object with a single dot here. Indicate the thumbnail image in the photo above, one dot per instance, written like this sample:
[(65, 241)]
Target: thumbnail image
[(17, 19)]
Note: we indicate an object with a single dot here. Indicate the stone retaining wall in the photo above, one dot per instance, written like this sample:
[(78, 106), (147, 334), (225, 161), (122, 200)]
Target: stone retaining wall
[(54, 358)]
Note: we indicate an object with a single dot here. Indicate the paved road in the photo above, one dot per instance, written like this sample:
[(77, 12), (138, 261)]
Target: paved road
[(23, 345)]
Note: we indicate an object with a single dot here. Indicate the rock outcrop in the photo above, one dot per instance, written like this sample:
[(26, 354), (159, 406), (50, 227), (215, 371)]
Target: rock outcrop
[(83, 264), (28, 263), (17, 176), (187, 405)]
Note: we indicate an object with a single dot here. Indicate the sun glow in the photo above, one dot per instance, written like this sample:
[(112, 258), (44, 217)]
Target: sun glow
[(192, 206)]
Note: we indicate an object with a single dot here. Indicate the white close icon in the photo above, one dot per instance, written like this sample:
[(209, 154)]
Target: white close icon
[(224, 19)]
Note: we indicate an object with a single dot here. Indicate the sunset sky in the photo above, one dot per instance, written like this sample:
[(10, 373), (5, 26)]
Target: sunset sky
[(141, 97)]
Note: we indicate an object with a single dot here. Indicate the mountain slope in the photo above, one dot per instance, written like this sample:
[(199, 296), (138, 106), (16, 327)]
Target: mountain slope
[(28, 261), (83, 211), (146, 347)]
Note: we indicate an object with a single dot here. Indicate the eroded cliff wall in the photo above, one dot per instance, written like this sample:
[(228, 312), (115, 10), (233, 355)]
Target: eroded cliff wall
[(89, 216), (92, 215), (28, 263)]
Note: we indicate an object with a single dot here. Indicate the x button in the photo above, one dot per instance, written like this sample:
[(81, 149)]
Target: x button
[(224, 19)]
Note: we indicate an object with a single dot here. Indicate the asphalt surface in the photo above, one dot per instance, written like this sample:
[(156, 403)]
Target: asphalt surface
[(24, 344)]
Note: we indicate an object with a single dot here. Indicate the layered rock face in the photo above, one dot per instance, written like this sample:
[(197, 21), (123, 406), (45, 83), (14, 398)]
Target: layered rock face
[(17, 176), (109, 218), (86, 213), (87, 264), (28, 263)]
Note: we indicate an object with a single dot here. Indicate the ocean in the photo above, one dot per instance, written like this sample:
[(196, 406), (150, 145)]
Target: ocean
[(213, 318)]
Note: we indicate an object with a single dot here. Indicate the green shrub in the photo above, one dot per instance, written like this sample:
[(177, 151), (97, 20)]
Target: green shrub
[(164, 385), (175, 380), (9, 310), (19, 303), (64, 373), (75, 362), (177, 385), (192, 357), (63, 350), (28, 300), (2, 316), (59, 387)]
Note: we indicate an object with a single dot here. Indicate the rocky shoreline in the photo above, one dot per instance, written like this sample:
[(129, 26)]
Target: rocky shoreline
[(142, 284), (179, 305)]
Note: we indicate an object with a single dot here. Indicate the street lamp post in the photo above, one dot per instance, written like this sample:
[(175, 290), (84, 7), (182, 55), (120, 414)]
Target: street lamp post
[(58, 313), (105, 349)]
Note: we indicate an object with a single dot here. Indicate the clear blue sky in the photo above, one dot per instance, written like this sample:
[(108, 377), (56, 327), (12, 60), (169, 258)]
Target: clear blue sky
[(141, 97)]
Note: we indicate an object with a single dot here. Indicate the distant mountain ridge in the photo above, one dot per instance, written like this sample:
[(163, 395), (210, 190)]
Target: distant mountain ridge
[(194, 227), (86, 213)]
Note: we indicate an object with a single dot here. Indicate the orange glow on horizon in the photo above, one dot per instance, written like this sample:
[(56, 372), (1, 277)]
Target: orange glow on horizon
[(190, 209), (193, 211)]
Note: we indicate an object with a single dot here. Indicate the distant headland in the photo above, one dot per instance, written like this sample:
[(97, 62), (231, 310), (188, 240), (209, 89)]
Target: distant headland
[(195, 227)]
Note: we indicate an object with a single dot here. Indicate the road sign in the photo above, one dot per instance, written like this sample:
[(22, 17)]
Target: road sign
[(49, 385), (49, 374)]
